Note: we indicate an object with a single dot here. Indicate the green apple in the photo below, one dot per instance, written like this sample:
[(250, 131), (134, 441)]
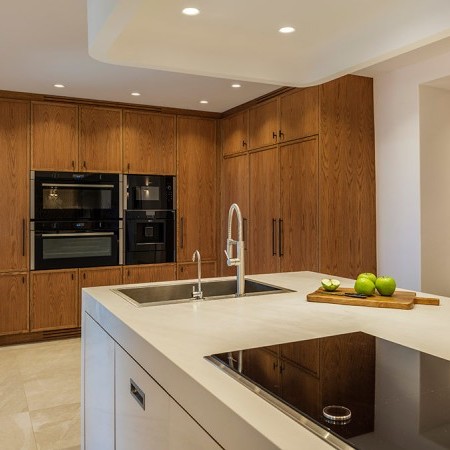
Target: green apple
[(330, 284), (372, 277), (385, 285), (364, 285)]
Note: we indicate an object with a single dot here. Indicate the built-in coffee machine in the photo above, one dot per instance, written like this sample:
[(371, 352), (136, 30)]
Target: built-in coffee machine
[(150, 219)]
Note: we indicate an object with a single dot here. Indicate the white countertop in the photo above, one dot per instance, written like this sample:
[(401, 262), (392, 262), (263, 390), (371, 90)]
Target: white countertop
[(170, 341)]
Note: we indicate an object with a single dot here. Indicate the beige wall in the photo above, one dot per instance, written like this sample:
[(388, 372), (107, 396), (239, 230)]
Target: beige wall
[(435, 189)]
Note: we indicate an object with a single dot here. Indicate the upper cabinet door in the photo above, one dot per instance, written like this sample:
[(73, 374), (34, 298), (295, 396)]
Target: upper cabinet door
[(235, 133), (149, 143), (100, 139), (299, 114), (54, 137), (14, 182), (263, 124)]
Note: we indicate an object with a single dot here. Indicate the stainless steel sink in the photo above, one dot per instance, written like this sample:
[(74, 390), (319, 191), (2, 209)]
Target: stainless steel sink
[(179, 293)]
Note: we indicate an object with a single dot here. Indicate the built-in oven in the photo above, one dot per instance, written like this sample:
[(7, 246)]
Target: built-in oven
[(149, 192), (57, 196), (149, 236), (65, 244)]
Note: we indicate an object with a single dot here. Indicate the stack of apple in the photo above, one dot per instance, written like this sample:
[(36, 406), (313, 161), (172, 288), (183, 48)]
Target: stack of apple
[(366, 283)]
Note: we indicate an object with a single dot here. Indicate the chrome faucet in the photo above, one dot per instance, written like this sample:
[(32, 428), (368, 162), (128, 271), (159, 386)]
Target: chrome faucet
[(239, 260), (198, 294)]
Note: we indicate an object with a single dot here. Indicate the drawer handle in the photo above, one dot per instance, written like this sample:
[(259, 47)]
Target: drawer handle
[(137, 394)]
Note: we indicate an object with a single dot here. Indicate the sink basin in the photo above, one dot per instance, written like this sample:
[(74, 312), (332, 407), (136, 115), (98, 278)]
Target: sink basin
[(179, 293)]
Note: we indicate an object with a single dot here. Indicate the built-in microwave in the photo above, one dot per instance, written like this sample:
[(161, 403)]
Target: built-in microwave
[(149, 192), (57, 196)]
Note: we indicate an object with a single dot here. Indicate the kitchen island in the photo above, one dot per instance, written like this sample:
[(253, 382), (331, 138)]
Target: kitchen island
[(169, 342)]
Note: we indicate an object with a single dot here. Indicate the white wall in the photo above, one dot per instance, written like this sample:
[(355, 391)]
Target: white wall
[(397, 143)]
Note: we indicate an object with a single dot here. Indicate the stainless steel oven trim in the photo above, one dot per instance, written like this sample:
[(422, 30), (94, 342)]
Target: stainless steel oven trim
[(121, 196), (32, 191), (76, 234), (32, 243), (121, 244), (125, 192), (79, 185)]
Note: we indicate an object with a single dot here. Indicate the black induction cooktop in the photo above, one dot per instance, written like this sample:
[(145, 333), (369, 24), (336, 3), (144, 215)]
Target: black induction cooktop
[(354, 390)]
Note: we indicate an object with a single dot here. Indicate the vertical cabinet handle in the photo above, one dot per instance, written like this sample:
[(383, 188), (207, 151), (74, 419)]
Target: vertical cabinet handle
[(72, 277), (244, 231), (181, 232), (23, 237), (137, 393), (280, 237), (274, 251), (84, 275), (84, 165), (73, 165), (128, 167), (281, 135), (274, 135), (244, 144)]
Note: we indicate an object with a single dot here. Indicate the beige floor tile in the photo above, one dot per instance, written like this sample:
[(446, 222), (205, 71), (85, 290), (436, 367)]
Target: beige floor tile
[(57, 428), (9, 366), (16, 432), (12, 397)]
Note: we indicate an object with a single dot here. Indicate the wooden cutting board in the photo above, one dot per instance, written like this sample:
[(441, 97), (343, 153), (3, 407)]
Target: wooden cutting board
[(399, 300)]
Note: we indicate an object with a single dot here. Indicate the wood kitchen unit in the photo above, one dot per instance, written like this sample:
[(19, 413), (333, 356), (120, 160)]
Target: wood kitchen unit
[(298, 162)]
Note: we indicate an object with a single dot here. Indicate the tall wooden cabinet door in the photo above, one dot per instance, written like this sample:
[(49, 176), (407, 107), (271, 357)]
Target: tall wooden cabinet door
[(235, 189), (13, 303), (54, 144), (100, 139), (347, 177), (14, 184), (263, 124), (264, 211), (299, 227), (235, 133), (54, 299), (299, 114), (149, 273), (149, 143), (196, 187)]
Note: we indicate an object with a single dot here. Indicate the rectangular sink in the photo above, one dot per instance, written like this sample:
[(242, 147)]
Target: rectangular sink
[(179, 293)]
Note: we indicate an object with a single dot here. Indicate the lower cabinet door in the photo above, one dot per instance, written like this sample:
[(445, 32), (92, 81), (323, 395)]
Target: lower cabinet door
[(13, 303)]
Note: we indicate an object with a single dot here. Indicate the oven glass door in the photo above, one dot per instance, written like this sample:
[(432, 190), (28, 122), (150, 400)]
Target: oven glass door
[(72, 249)]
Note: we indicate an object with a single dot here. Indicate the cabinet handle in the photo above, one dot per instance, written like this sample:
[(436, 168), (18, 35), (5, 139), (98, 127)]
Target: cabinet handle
[(244, 144), (128, 167), (274, 135), (280, 237), (84, 276), (73, 277), (244, 231), (275, 365), (137, 394), (182, 269), (274, 222), (23, 279), (281, 135), (128, 273), (23, 237), (84, 165), (73, 165), (182, 232), (282, 367)]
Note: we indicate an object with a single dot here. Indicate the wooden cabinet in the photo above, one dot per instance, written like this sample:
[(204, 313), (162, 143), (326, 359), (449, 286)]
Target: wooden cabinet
[(54, 136), (263, 124), (235, 189), (13, 303), (188, 271), (148, 273), (196, 188), (100, 139), (235, 133), (100, 276), (263, 239), (299, 114), (149, 143), (347, 177), (14, 185), (54, 299), (299, 203)]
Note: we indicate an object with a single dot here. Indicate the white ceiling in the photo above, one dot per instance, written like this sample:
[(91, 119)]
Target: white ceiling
[(43, 42)]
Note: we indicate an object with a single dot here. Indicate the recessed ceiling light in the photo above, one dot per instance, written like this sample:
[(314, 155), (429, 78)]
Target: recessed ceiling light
[(286, 30), (235, 85), (135, 94), (58, 85), (191, 11), (204, 102)]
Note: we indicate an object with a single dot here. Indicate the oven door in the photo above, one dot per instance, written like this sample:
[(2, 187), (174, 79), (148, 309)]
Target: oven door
[(62, 250), (75, 196)]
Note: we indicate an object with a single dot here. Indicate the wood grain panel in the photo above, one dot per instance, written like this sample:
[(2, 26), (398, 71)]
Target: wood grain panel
[(54, 144), (303, 353), (196, 188), (149, 273), (263, 124), (149, 143), (13, 303), (264, 211), (54, 299), (100, 139), (347, 177), (235, 133), (299, 114), (234, 189), (299, 175), (188, 271), (100, 276), (14, 184)]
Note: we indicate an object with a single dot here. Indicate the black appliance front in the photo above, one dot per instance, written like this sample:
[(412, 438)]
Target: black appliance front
[(59, 245), (75, 196), (150, 192), (149, 237)]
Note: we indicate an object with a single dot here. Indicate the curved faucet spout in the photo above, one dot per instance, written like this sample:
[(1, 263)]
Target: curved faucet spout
[(198, 294), (239, 243)]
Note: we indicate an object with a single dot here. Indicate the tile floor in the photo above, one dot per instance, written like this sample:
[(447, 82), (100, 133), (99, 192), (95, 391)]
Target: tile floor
[(40, 396)]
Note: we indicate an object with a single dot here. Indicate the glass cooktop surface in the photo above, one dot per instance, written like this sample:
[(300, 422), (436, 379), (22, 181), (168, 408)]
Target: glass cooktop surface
[(353, 390)]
